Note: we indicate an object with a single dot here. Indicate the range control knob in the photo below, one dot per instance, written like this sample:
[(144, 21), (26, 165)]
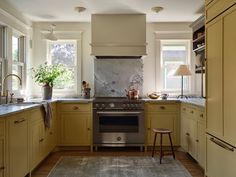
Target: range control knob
[(103, 105), (112, 105), (97, 105)]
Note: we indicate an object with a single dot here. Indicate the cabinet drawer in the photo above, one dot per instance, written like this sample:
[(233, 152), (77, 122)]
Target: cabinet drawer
[(162, 107), (76, 107), (2, 127), (216, 7)]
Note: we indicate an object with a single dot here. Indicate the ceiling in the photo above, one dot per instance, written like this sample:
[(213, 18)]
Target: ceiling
[(63, 10)]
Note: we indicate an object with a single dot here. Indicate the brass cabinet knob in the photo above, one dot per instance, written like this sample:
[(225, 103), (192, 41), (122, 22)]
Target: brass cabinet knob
[(88, 129), (197, 141), (2, 168), (201, 115), (41, 140), (192, 112), (162, 107), (187, 134), (75, 108), (149, 128)]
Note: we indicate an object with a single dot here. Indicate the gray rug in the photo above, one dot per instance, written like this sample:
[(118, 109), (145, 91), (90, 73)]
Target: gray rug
[(74, 166)]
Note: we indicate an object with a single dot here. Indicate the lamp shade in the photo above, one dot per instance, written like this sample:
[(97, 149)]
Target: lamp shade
[(182, 70)]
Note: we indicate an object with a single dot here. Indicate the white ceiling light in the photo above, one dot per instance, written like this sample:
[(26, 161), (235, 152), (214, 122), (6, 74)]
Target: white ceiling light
[(51, 36), (157, 9), (80, 9)]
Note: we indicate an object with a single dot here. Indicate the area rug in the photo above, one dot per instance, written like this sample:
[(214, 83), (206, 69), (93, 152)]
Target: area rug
[(74, 166)]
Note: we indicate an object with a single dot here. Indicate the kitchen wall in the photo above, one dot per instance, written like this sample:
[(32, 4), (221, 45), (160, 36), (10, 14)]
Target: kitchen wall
[(151, 62)]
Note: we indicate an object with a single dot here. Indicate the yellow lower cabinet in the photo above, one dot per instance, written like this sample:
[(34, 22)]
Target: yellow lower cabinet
[(162, 116), (17, 129), (2, 149), (193, 126), (75, 129)]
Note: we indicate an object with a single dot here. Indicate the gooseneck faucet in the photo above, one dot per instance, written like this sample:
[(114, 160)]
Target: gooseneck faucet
[(4, 82)]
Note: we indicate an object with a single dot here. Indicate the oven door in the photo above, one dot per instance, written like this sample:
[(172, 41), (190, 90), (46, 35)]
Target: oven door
[(119, 128)]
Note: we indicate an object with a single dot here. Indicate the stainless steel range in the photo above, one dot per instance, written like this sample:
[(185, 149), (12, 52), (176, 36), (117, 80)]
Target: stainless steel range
[(118, 122)]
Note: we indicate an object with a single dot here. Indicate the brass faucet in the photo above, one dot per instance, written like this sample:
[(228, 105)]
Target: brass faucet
[(4, 82)]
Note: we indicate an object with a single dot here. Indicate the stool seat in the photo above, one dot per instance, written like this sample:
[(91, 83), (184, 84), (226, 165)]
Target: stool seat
[(162, 131)]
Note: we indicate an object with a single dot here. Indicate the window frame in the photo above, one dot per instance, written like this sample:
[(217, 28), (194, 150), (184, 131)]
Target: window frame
[(21, 60), (77, 89), (187, 43)]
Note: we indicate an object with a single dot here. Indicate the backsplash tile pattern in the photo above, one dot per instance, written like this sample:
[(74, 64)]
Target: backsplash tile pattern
[(113, 76)]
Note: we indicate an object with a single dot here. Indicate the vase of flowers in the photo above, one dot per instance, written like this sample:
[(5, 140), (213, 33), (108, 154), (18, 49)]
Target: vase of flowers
[(46, 75)]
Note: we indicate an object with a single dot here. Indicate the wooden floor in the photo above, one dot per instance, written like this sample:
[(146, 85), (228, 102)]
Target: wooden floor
[(45, 167)]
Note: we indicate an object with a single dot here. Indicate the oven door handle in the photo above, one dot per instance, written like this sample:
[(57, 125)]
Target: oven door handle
[(119, 113)]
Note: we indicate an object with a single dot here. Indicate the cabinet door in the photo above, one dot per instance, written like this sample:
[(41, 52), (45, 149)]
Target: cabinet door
[(75, 128), (184, 132), (192, 143), (18, 146), (201, 145), (229, 76), (35, 138), (220, 161), (214, 78), (2, 157), (164, 120)]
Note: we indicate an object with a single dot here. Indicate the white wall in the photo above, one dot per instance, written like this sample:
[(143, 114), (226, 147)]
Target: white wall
[(15, 22), (155, 31)]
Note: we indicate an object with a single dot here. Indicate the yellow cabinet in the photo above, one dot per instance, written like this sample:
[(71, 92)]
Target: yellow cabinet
[(17, 129), (42, 140), (216, 7), (214, 78), (193, 132), (2, 149), (159, 115), (220, 80), (75, 124)]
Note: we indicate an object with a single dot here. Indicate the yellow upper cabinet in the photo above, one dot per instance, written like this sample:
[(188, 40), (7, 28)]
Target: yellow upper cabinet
[(221, 82), (216, 7)]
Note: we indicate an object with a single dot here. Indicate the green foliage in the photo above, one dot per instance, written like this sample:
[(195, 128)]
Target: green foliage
[(47, 74)]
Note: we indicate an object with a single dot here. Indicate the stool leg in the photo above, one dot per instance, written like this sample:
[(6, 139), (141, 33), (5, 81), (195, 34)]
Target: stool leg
[(160, 148), (172, 149), (154, 144)]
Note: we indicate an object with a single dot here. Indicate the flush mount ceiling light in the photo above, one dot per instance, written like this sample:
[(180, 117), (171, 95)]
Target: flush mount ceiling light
[(51, 36), (80, 9), (157, 9)]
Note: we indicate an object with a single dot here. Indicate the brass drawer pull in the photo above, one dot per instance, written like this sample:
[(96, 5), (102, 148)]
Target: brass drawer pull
[(2, 168), (75, 108), (149, 128), (221, 144), (19, 121), (162, 107), (41, 140)]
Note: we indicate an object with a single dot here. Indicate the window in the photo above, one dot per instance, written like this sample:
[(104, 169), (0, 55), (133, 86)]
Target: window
[(174, 53), (64, 52), (2, 50), (18, 60)]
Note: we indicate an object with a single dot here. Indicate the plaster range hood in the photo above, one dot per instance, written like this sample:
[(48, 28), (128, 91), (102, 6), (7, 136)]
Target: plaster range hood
[(118, 35)]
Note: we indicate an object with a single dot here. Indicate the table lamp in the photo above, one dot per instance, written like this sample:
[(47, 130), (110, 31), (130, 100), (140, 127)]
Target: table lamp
[(182, 71)]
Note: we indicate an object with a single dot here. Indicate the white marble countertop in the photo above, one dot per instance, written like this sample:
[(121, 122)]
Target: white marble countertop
[(193, 101), (17, 107)]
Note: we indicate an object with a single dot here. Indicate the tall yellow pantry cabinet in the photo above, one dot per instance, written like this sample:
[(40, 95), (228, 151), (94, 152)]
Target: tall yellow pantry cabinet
[(221, 87)]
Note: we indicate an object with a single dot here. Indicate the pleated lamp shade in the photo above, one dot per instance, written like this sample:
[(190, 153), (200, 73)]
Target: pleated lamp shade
[(182, 70)]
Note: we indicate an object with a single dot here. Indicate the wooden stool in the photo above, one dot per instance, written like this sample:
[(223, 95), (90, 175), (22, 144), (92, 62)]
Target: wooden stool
[(162, 131)]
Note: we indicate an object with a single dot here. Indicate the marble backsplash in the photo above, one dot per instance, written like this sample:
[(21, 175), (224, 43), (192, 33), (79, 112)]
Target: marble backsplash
[(113, 76)]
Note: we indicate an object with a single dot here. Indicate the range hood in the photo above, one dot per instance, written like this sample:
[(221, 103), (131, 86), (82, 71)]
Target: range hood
[(118, 35)]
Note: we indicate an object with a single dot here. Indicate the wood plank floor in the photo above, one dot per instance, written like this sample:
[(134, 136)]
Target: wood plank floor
[(45, 167)]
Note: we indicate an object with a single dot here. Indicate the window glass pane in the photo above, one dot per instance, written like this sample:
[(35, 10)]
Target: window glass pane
[(15, 81), (173, 54), (64, 52), (15, 48)]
